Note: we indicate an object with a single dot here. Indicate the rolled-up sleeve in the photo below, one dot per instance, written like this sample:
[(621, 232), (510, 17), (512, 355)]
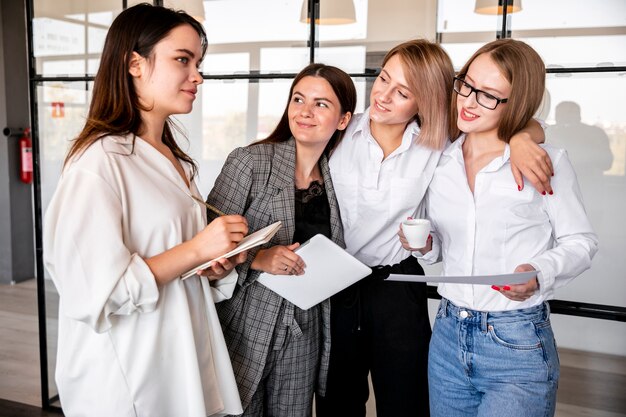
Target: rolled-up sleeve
[(98, 277), (575, 241)]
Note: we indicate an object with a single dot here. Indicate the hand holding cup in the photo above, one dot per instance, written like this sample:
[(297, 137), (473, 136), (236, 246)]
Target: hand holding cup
[(416, 232)]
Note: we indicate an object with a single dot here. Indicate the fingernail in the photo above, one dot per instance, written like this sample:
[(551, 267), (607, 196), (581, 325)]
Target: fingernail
[(506, 288), (519, 188), (409, 218), (493, 287), (429, 237), (551, 192), (553, 174), (543, 193)]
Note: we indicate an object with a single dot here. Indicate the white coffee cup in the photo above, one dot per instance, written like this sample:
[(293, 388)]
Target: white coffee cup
[(416, 232)]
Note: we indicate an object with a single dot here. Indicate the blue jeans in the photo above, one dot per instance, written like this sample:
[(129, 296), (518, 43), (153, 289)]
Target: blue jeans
[(492, 364)]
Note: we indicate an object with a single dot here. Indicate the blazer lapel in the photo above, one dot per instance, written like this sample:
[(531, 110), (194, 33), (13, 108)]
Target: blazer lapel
[(282, 181)]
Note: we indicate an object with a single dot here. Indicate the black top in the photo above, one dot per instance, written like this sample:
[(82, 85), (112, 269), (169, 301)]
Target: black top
[(312, 212)]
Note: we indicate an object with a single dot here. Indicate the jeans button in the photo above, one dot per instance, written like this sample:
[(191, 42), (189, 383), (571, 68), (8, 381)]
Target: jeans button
[(463, 314)]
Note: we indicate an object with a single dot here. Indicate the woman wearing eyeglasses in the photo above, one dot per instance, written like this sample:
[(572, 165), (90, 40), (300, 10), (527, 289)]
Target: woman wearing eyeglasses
[(493, 352)]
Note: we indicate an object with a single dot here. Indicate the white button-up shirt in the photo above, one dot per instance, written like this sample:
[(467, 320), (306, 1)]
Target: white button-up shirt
[(128, 347), (497, 228), (376, 194)]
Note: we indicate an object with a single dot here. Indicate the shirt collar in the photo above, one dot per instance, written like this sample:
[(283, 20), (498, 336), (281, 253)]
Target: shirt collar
[(454, 150), (363, 129)]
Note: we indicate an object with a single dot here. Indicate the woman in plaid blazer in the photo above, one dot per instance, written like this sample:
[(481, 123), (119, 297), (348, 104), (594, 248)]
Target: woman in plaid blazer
[(280, 352)]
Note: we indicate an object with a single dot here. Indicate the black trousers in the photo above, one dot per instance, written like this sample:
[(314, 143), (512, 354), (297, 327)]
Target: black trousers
[(380, 327)]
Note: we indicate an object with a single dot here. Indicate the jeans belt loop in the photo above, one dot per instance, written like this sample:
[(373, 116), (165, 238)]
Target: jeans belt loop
[(484, 323), (444, 307)]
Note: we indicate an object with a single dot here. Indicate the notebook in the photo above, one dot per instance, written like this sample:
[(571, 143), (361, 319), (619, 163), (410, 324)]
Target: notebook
[(257, 238), (329, 269)]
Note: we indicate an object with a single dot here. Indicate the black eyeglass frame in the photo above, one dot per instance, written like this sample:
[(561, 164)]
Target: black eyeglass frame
[(476, 90)]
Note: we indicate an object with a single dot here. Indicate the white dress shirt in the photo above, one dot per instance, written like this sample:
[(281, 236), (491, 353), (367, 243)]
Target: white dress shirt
[(497, 228), (376, 194), (128, 347)]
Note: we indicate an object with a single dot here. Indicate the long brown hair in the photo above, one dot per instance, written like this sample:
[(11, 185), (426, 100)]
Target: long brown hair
[(429, 73), (525, 70), (115, 107), (342, 86)]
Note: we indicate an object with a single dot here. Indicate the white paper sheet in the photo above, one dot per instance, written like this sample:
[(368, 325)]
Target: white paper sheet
[(329, 269), (501, 279)]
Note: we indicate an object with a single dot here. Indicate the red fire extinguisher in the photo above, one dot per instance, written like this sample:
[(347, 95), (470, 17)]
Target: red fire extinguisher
[(26, 158)]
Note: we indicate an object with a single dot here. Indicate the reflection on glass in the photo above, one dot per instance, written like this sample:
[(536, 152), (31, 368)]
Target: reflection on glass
[(69, 34), (585, 119)]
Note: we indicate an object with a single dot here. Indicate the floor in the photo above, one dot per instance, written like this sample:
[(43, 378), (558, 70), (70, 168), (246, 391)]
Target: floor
[(591, 384)]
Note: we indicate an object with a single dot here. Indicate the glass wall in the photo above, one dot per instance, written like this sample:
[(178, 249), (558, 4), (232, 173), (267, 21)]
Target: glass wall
[(253, 54)]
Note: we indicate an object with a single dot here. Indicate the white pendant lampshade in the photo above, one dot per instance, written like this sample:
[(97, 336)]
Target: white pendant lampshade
[(332, 12), (492, 7)]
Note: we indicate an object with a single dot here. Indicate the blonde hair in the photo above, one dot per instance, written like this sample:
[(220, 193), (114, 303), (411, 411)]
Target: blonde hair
[(524, 69), (430, 74)]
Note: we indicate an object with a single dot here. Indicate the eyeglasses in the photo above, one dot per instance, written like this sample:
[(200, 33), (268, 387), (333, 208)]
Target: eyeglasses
[(486, 100)]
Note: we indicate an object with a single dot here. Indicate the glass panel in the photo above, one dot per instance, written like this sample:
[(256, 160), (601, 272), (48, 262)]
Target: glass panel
[(378, 26), (597, 34), (583, 119), (62, 108), (567, 14), (591, 51), (69, 35), (233, 26), (454, 16)]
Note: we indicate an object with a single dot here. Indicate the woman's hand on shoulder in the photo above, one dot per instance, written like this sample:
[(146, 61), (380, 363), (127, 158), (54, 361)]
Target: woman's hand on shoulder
[(530, 160), (406, 246), (279, 260), (220, 236)]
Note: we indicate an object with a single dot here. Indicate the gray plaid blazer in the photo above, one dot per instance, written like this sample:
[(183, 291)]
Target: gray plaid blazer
[(258, 182)]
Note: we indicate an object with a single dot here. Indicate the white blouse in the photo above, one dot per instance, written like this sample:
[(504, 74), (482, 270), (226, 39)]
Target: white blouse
[(497, 228), (376, 194), (126, 346)]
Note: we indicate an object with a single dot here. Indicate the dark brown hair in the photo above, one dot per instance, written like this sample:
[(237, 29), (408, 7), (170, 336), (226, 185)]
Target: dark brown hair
[(342, 86), (429, 73), (115, 106), (524, 69)]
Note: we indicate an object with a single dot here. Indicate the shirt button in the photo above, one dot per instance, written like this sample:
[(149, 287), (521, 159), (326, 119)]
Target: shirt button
[(463, 314)]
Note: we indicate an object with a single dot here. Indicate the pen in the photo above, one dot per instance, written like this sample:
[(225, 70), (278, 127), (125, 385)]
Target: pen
[(210, 207)]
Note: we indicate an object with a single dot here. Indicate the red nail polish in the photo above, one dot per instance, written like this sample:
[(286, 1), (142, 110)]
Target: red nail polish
[(519, 188), (429, 237), (506, 288), (543, 193), (495, 288), (553, 174), (551, 192)]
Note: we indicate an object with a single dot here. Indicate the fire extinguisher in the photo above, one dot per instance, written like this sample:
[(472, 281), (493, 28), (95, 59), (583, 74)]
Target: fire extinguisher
[(26, 158)]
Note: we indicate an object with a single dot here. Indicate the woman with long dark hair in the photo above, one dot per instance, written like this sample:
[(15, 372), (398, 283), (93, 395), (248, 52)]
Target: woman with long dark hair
[(124, 225), (279, 351)]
